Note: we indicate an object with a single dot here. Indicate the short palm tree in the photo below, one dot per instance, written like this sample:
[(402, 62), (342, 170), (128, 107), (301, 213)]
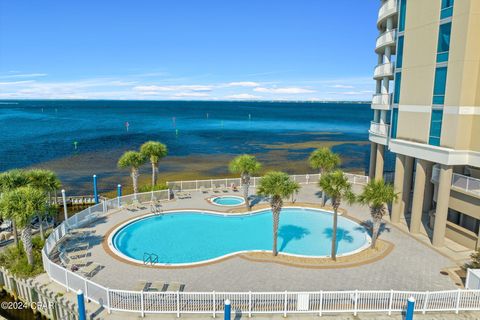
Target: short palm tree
[(245, 165), (377, 195), (154, 151), (22, 204), (277, 186), (9, 181), (324, 160), (133, 160), (335, 184)]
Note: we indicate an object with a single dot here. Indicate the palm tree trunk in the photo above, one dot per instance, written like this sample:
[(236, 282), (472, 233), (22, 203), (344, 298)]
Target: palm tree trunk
[(276, 204), (246, 184), (324, 196), (154, 174), (42, 235), (15, 233), (334, 230), (135, 180), (376, 228), (27, 244)]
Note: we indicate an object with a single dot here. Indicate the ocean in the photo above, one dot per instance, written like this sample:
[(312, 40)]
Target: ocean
[(81, 138)]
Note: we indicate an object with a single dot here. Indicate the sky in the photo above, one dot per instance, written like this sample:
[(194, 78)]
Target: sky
[(188, 49)]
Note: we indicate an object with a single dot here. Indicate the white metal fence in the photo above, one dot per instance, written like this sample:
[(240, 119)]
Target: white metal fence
[(319, 302), (193, 185)]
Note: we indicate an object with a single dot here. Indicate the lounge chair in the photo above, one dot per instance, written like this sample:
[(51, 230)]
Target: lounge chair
[(91, 269), (72, 263), (142, 285), (224, 188), (203, 190), (175, 287), (216, 188), (158, 286), (77, 254)]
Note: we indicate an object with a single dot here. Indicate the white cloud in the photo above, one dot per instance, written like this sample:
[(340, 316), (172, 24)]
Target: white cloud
[(16, 83), (243, 96), (286, 90), (23, 75), (341, 86), (352, 93), (155, 88), (243, 84), (190, 95)]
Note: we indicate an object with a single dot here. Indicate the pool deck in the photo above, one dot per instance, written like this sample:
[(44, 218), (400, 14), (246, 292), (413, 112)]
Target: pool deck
[(412, 265)]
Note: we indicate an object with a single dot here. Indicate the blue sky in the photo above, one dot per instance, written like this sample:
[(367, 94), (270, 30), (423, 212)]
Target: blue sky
[(187, 49)]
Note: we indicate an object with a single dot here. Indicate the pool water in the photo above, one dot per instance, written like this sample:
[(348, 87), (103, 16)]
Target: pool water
[(184, 237), (228, 201)]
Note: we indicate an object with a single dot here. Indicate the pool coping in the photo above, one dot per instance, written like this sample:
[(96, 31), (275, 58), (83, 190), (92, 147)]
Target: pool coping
[(112, 251)]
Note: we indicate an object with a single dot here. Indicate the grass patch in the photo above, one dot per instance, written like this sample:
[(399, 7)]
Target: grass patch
[(15, 260)]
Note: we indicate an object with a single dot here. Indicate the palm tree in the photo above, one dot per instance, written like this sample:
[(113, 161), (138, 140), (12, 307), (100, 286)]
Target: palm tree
[(245, 165), (324, 160), (133, 160), (47, 181), (9, 181), (335, 184), (377, 195), (154, 151), (278, 186), (22, 204)]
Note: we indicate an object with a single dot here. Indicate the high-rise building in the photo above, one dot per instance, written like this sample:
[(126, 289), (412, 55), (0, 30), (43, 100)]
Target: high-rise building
[(429, 116)]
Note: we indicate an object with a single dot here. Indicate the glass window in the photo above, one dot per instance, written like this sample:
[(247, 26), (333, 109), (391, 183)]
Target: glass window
[(396, 93), (435, 127), (400, 52), (403, 10), (447, 9), (439, 85), (394, 123), (447, 3), (444, 37)]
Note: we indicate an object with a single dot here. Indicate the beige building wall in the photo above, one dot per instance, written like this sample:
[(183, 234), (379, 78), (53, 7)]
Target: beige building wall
[(418, 69), (463, 77)]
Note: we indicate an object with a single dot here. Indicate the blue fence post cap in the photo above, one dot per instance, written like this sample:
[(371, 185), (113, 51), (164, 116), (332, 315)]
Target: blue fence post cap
[(411, 299), (227, 302)]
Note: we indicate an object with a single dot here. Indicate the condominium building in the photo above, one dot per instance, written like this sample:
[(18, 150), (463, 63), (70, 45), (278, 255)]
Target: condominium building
[(427, 112)]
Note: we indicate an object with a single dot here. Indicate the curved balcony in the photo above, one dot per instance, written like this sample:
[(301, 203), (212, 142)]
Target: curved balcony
[(378, 132), (382, 101), (388, 9), (387, 38), (383, 70)]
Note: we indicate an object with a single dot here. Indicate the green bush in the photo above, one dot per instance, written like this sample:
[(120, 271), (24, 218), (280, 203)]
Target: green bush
[(15, 260), (148, 188)]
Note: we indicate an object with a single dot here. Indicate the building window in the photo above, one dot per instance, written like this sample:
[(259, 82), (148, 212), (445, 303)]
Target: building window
[(443, 42), (463, 220), (396, 92), (435, 127), (394, 122), (439, 85), (447, 9), (403, 10), (400, 52)]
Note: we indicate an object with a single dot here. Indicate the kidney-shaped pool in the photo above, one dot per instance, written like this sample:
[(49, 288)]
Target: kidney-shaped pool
[(186, 237)]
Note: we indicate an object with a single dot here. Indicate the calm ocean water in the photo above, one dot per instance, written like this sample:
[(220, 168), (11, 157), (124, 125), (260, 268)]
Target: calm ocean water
[(43, 132)]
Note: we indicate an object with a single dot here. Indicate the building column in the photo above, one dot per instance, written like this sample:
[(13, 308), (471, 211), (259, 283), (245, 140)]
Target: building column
[(418, 196), (441, 213), (428, 198), (407, 185), (398, 187), (373, 157), (379, 161)]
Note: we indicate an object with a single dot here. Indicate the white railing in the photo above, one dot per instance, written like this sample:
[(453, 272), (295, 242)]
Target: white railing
[(177, 303), (383, 70), (387, 9), (459, 181), (381, 100), (193, 185), (386, 38), (380, 129), (473, 279)]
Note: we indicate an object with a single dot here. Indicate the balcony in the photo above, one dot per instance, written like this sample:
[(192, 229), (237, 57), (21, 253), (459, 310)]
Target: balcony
[(387, 38), (378, 132), (381, 101), (460, 182), (383, 70), (388, 9)]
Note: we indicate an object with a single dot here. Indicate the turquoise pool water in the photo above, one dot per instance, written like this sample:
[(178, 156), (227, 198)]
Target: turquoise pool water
[(195, 236), (228, 201)]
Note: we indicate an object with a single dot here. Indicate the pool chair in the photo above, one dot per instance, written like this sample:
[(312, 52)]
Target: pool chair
[(224, 188), (70, 263), (91, 269), (142, 285), (203, 190), (158, 286), (216, 188), (77, 254), (175, 287)]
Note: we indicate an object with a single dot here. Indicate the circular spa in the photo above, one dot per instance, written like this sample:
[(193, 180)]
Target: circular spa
[(227, 201), (188, 237)]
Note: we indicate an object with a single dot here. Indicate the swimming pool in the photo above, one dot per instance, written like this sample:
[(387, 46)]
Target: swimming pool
[(187, 237), (227, 201)]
